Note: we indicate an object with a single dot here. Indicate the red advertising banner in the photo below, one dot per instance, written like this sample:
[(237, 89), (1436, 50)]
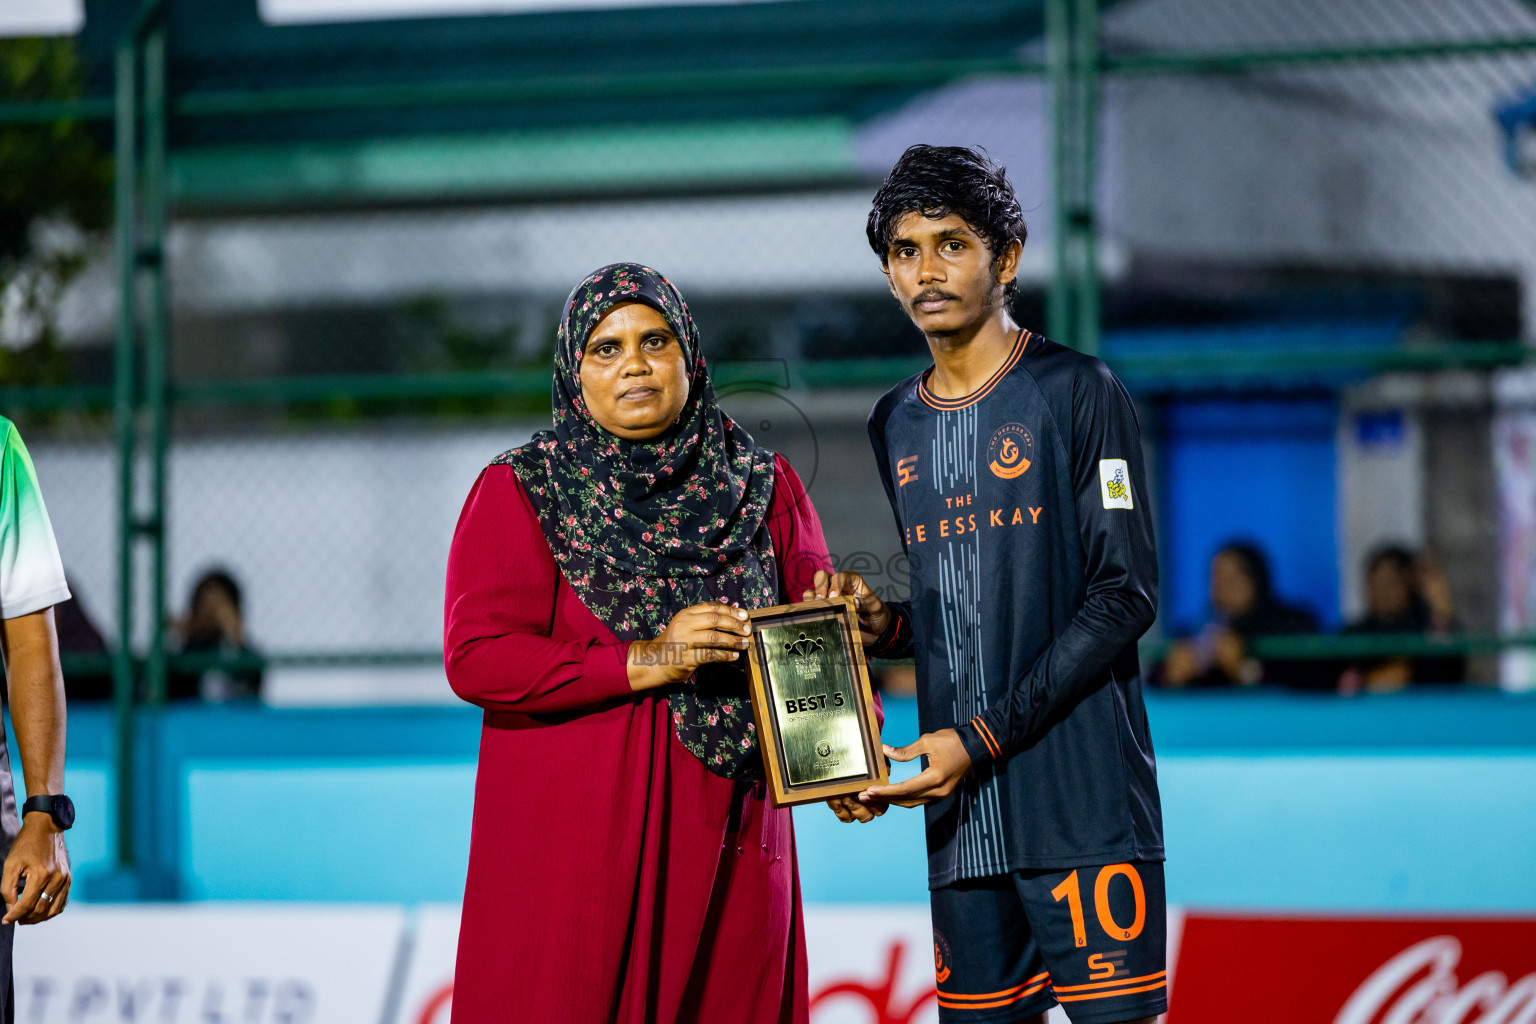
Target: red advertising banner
[(1390, 970)]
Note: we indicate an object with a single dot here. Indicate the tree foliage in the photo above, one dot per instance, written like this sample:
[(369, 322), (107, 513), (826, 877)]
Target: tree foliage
[(55, 199)]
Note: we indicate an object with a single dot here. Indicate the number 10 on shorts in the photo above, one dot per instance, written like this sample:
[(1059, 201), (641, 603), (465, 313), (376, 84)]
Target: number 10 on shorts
[(1071, 891)]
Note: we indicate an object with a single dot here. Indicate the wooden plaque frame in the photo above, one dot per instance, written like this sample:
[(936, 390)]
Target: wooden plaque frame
[(765, 710)]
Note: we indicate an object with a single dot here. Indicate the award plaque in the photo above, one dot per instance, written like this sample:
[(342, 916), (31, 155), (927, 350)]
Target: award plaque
[(811, 697)]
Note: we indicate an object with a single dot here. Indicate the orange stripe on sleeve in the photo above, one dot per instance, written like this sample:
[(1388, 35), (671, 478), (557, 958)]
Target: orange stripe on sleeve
[(992, 744), (986, 737)]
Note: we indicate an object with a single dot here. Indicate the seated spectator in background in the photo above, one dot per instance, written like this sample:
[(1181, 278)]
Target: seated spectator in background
[(215, 625), (1404, 594), (78, 635), (1245, 607)]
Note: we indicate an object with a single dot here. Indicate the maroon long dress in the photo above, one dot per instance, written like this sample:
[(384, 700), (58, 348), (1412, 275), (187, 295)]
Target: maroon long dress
[(612, 877)]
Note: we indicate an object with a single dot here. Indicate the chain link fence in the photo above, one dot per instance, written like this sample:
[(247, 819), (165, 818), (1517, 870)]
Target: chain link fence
[(1312, 262), (1301, 186)]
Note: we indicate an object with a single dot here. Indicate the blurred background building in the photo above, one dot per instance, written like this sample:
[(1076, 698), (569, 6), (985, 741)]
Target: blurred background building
[(280, 276)]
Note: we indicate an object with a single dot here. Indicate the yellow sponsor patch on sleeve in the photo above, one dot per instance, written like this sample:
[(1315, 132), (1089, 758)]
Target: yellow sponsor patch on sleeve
[(1115, 482)]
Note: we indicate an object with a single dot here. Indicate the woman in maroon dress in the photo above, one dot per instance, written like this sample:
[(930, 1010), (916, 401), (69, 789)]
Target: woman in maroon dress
[(624, 863)]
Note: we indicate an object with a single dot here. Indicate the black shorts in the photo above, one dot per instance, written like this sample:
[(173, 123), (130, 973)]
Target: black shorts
[(1093, 939)]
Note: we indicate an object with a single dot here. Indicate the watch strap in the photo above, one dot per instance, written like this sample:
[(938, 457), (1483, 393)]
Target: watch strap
[(57, 806)]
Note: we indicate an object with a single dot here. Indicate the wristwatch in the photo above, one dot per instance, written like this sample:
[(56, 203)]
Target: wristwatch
[(60, 808)]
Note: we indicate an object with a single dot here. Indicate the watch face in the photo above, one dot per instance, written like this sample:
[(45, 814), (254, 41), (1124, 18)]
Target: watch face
[(63, 811)]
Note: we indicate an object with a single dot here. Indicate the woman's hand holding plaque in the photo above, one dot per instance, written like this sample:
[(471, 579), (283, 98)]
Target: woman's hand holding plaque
[(696, 636)]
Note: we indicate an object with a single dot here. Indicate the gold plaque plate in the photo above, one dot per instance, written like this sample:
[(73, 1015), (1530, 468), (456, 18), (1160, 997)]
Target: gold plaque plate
[(812, 701)]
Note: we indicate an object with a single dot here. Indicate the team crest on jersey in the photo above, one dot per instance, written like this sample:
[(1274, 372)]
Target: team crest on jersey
[(906, 470), (1009, 451)]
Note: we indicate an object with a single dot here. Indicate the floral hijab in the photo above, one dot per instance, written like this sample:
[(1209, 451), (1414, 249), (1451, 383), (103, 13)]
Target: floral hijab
[(643, 529)]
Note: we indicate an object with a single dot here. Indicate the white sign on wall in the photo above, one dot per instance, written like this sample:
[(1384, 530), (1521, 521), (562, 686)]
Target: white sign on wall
[(1514, 464), (208, 964), (41, 17)]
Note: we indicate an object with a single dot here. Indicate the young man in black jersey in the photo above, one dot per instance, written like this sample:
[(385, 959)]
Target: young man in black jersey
[(1014, 469)]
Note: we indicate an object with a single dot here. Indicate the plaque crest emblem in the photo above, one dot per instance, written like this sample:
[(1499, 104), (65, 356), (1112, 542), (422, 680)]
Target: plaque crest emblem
[(803, 646), (805, 654)]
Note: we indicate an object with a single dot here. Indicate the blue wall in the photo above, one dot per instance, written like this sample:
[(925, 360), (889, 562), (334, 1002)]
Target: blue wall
[(1262, 471), (1411, 801)]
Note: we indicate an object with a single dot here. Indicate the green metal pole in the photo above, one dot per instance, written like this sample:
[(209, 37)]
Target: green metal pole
[(156, 347), (1058, 62), (1084, 215), (123, 416), (1071, 39)]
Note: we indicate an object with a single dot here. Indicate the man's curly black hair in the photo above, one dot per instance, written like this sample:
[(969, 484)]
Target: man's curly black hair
[(937, 181)]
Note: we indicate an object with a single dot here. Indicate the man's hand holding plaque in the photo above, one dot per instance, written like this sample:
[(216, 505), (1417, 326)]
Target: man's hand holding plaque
[(947, 764), (874, 616)]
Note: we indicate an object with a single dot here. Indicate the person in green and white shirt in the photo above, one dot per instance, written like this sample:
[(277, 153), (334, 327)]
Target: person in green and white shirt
[(34, 883)]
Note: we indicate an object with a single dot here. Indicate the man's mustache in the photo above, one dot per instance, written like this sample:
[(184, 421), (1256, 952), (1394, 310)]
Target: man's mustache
[(932, 294)]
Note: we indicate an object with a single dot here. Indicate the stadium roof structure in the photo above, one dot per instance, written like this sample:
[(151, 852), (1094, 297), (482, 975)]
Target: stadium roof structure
[(734, 96)]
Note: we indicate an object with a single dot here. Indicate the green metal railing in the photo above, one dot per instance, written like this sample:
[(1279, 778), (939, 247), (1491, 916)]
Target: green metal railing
[(1320, 647), (1190, 368), (1235, 62), (1324, 647), (1071, 21), (142, 395)]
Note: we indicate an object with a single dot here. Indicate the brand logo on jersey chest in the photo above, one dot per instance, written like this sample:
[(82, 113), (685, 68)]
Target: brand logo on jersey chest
[(1010, 451)]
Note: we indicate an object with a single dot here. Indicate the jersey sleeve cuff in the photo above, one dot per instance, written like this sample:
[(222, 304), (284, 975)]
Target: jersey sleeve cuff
[(17, 607), (606, 670), (979, 741), (896, 641)]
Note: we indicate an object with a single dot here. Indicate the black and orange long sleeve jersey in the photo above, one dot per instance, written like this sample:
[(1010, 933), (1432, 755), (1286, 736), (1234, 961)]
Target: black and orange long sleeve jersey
[(1024, 512)]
